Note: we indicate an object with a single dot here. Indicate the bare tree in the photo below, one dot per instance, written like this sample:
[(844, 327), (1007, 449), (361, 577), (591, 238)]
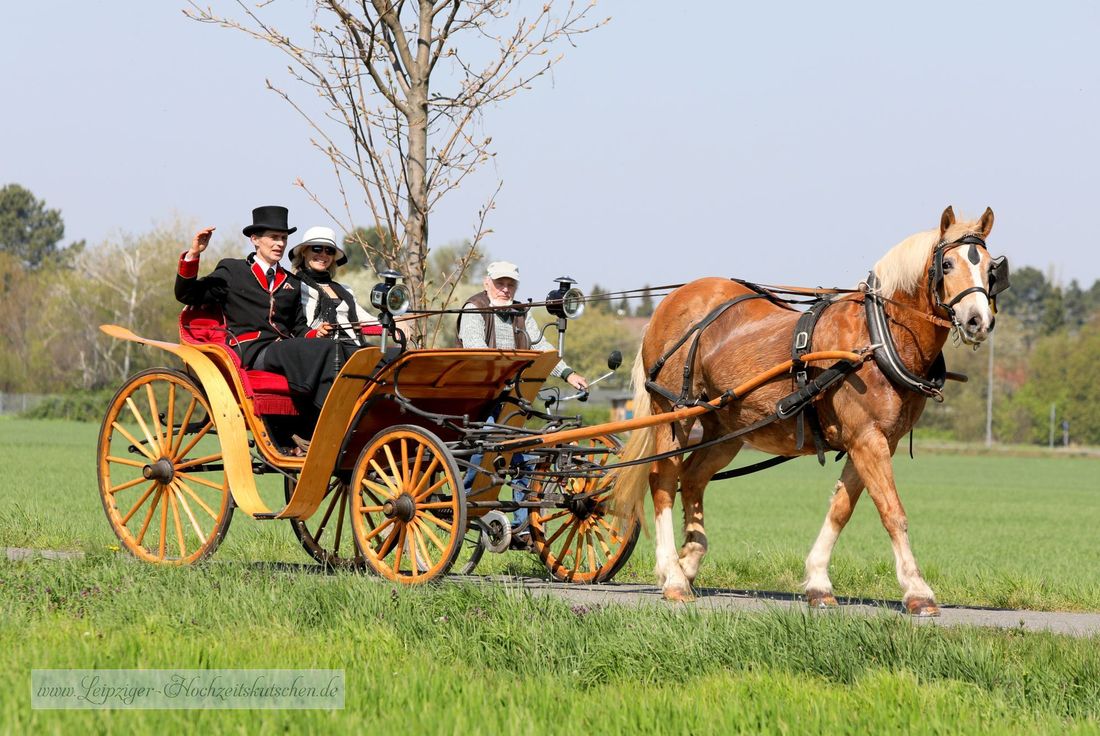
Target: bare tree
[(399, 126)]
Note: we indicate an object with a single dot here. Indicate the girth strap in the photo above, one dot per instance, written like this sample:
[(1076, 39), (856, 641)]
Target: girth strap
[(801, 344)]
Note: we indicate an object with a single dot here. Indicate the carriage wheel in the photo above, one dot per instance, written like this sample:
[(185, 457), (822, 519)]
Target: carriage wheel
[(583, 542), (471, 551), (161, 477), (408, 505), (327, 535)]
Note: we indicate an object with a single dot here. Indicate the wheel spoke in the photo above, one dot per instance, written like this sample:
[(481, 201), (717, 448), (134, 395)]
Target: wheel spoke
[(405, 471), (187, 489), (343, 498), (198, 461), (414, 472), (377, 530), (169, 417), (183, 427), (176, 522), (385, 479), (592, 566), (201, 481), (149, 516), (141, 422), (438, 522), (325, 518), (195, 440), (398, 474), (432, 489), (552, 517), (425, 476), (163, 522), (386, 491), (615, 536), (422, 547), (140, 501), (603, 543), (125, 461), (400, 549), (127, 484), (191, 516), (430, 534), (435, 505), (133, 441), (558, 533), (155, 414)]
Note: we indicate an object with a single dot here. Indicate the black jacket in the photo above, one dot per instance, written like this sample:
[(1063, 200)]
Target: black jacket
[(254, 316)]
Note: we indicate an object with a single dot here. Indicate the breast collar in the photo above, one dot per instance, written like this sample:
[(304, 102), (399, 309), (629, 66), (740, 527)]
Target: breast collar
[(886, 352)]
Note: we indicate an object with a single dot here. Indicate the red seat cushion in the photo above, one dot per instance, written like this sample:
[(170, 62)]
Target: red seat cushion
[(269, 392)]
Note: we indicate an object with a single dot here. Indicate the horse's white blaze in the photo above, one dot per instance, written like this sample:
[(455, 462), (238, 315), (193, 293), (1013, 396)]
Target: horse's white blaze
[(669, 574)]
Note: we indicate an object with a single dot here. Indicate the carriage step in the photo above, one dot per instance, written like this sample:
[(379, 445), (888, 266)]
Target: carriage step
[(267, 515)]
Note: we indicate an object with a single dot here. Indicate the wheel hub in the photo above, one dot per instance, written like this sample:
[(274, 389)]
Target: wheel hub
[(161, 471), (403, 507), (582, 507)]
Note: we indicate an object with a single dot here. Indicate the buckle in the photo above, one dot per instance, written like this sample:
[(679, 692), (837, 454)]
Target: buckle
[(801, 340)]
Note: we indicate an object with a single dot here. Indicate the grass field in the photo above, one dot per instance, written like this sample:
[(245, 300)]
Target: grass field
[(460, 658)]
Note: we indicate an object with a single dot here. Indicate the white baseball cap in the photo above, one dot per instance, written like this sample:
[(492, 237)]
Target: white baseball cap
[(503, 270)]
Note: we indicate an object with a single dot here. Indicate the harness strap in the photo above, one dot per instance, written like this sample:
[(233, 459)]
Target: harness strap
[(689, 365), (800, 345)]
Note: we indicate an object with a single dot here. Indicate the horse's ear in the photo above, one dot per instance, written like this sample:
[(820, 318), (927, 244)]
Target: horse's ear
[(947, 219), (986, 223)]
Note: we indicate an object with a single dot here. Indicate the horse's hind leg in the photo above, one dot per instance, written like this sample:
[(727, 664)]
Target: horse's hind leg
[(818, 586), (871, 456), (662, 484), (693, 482)]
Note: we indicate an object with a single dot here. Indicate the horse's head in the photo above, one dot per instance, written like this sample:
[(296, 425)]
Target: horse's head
[(963, 279)]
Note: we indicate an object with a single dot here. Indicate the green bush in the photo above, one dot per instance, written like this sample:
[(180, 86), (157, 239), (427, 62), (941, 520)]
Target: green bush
[(80, 406)]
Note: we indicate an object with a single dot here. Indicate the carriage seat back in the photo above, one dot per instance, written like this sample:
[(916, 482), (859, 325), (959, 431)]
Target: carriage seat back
[(268, 392)]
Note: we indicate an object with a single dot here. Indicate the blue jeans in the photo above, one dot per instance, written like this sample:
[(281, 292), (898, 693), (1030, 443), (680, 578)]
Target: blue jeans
[(519, 486)]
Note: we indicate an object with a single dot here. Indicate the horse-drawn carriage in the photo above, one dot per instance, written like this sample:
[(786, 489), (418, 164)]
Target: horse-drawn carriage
[(179, 451), (406, 464)]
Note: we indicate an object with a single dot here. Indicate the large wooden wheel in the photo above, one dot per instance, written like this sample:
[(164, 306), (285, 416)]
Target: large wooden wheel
[(408, 505), (161, 477), (327, 535), (583, 543)]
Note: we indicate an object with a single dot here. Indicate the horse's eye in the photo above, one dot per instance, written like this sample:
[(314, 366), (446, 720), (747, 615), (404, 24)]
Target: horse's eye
[(948, 264)]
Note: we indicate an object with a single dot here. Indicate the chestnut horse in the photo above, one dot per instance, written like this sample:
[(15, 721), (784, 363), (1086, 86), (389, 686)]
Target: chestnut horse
[(929, 282)]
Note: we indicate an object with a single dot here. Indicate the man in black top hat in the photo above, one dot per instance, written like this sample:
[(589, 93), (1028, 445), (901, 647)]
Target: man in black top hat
[(262, 305)]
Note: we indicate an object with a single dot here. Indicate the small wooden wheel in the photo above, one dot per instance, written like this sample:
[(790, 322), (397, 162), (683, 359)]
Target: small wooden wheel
[(327, 535), (408, 505), (161, 477), (582, 542)]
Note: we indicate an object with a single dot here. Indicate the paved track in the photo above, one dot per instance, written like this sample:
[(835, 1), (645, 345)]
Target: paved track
[(633, 594)]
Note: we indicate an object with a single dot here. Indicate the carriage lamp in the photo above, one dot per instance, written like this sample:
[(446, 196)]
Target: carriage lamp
[(565, 301), (391, 299)]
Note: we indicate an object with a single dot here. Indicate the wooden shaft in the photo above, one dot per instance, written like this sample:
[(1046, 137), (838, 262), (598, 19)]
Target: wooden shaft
[(587, 433)]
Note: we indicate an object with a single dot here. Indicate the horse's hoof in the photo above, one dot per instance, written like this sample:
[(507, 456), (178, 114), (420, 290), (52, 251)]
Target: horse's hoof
[(819, 600), (677, 595), (922, 607)]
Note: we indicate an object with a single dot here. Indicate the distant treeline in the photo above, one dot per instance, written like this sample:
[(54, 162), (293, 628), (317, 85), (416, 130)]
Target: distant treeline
[(53, 298)]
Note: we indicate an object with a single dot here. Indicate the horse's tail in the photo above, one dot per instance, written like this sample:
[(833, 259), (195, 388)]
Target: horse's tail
[(631, 482)]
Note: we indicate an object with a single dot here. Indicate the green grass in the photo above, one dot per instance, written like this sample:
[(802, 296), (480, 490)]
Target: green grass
[(459, 658), (987, 530)]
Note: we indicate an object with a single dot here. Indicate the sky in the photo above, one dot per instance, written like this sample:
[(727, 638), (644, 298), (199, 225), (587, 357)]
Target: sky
[(790, 143)]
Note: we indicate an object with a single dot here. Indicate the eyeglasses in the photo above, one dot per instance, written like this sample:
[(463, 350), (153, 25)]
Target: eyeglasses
[(328, 250)]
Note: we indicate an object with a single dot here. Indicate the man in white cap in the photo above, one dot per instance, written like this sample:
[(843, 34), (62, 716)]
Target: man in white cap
[(508, 329)]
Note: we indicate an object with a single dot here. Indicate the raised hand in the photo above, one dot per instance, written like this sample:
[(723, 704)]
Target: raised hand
[(200, 241)]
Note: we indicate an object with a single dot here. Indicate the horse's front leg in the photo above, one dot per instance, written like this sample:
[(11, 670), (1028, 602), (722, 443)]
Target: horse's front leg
[(818, 586), (662, 484), (871, 456)]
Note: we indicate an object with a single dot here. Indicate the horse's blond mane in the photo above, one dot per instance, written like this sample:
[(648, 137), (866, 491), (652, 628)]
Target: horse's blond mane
[(901, 269)]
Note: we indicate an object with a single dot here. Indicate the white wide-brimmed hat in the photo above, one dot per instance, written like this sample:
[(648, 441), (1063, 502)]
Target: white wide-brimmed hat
[(503, 270), (319, 236)]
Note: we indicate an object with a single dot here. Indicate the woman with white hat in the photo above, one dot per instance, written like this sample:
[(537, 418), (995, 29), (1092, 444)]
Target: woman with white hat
[(330, 308)]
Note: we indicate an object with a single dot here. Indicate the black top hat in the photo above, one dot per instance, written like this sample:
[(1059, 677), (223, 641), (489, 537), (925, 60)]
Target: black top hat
[(271, 217)]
